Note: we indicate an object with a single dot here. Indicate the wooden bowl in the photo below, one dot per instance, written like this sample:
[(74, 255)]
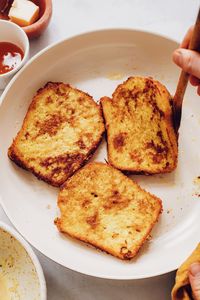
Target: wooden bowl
[(37, 28), (41, 24)]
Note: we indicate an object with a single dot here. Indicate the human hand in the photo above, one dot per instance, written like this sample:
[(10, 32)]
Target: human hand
[(189, 60), (194, 278)]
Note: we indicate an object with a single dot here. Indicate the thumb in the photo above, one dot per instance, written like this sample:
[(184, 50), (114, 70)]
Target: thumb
[(188, 60), (194, 278)]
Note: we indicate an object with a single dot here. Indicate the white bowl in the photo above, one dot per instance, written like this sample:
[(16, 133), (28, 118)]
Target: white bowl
[(19, 267), (10, 32)]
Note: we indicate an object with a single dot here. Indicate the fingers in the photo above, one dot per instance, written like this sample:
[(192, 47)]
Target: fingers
[(194, 80), (194, 278), (198, 90), (186, 40), (188, 60)]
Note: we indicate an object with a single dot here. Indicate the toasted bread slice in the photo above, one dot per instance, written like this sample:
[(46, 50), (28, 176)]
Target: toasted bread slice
[(140, 132), (101, 206), (61, 130)]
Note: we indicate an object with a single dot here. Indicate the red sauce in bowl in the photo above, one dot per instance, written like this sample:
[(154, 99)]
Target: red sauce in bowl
[(10, 57)]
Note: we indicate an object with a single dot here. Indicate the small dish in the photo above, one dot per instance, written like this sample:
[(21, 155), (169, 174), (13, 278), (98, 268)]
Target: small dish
[(35, 29), (12, 33), (20, 271)]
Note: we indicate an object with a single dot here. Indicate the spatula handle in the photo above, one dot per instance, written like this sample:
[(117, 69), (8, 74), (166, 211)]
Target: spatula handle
[(183, 79), (195, 39)]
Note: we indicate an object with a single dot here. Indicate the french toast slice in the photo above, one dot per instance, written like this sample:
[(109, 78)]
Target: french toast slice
[(101, 206), (140, 133), (60, 132)]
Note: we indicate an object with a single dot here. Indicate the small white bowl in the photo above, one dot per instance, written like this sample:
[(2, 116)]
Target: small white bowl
[(10, 32), (19, 267)]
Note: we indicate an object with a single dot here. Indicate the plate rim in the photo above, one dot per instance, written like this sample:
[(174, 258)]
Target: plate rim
[(102, 276), (55, 44)]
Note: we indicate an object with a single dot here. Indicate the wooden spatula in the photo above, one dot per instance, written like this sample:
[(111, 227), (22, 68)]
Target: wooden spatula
[(183, 79)]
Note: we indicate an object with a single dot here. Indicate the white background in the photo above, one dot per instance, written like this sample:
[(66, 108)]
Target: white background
[(70, 17)]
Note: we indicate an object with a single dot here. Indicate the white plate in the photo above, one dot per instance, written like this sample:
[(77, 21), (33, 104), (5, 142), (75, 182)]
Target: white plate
[(96, 63)]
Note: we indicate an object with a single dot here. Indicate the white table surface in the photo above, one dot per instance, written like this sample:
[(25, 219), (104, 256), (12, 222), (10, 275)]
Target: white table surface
[(70, 17)]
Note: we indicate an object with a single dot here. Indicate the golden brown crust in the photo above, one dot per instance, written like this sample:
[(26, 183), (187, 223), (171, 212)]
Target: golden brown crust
[(140, 133), (61, 131), (102, 207)]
